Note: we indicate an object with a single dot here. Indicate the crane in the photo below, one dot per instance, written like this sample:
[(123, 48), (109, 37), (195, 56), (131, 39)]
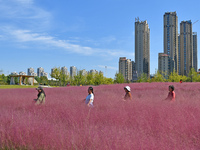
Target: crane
[(195, 22)]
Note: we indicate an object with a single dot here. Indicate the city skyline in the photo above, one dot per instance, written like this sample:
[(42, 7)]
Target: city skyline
[(48, 33)]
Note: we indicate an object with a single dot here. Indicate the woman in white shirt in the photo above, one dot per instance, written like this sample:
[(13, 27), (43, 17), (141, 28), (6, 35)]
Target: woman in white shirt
[(90, 98)]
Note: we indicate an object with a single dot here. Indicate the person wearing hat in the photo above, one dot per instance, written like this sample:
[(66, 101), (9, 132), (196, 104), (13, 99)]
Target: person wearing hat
[(171, 94), (41, 96), (127, 96)]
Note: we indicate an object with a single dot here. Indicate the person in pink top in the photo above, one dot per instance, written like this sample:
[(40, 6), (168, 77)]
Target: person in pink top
[(171, 94)]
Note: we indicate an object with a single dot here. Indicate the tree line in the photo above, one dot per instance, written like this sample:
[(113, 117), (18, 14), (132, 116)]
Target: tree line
[(62, 79)]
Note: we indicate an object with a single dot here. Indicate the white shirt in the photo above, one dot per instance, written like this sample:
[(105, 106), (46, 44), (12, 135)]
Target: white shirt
[(90, 97)]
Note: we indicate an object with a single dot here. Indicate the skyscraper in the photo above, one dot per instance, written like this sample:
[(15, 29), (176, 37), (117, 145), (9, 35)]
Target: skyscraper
[(39, 71), (186, 47), (163, 61), (72, 71), (125, 68), (195, 51), (142, 47), (171, 40), (30, 71), (65, 70)]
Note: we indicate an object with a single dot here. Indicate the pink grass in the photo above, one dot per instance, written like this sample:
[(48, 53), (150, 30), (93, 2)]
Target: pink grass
[(65, 122)]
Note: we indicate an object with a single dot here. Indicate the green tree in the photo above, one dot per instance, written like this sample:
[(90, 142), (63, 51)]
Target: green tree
[(158, 77), (119, 78), (174, 77), (193, 76), (80, 78), (143, 78)]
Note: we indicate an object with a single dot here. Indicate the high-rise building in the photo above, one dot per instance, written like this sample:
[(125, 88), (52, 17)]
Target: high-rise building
[(30, 71), (134, 72), (171, 40), (186, 47), (142, 47), (125, 68), (195, 51), (72, 71), (39, 71), (179, 56), (163, 62), (65, 70)]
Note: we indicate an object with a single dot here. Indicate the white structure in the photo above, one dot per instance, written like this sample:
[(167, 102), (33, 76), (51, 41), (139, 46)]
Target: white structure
[(163, 61), (125, 68), (171, 40), (142, 47)]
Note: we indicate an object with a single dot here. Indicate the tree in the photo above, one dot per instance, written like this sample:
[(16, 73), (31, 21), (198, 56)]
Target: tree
[(193, 76), (143, 78), (158, 77), (119, 78)]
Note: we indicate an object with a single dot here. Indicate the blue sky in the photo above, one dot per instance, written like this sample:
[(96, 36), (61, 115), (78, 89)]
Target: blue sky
[(88, 34)]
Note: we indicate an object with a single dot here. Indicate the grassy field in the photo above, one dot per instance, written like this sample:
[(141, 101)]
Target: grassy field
[(16, 86), (147, 122)]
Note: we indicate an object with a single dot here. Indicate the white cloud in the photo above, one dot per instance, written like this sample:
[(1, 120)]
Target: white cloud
[(23, 36)]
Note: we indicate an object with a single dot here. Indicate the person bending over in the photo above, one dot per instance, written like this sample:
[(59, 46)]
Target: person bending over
[(41, 96), (127, 96)]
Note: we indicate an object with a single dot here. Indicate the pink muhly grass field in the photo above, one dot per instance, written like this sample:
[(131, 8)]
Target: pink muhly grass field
[(65, 122)]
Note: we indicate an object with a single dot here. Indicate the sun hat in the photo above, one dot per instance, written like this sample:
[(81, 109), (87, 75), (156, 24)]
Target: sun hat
[(128, 88), (39, 88)]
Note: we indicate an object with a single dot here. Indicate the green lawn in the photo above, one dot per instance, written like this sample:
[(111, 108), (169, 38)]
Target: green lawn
[(16, 86)]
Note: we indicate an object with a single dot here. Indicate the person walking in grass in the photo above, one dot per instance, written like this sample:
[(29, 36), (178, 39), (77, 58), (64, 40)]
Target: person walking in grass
[(171, 94), (41, 96), (90, 98), (128, 95)]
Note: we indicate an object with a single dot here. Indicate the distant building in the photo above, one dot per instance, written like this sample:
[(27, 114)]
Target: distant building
[(125, 68), (163, 62), (30, 71), (195, 51), (73, 71), (14, 73), (186, 47), (93, 71), (179, 56), (142, 47), (44, 74), (22, 73), (84, 72), (171, 40), (134, 72), (65, 70), (101, 72), (39, 71)]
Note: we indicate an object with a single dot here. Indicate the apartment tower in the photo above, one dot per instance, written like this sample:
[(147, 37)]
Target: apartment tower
[(171, 40), (142, 47), (195, 51), (125, 68), (186, 47)]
